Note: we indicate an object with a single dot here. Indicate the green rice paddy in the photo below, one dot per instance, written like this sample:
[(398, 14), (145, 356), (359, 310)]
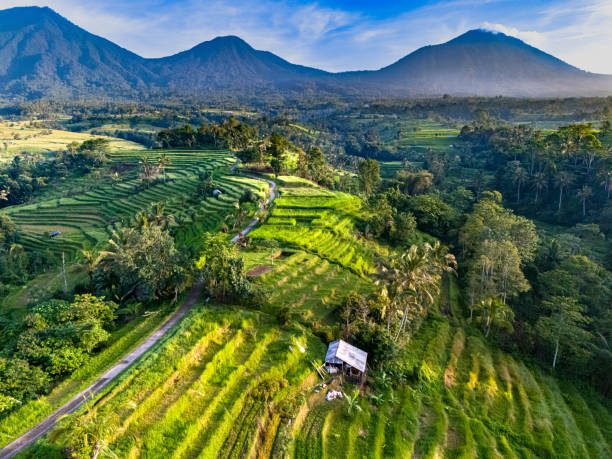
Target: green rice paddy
[(87, 212), (199, 392)]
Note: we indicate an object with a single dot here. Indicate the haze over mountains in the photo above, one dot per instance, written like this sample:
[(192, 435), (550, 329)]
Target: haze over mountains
[(43, 54)]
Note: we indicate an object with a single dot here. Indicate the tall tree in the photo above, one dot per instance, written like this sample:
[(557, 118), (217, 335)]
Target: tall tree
[(564, 327), (278, 147), (412, 282), (563, 180), (540, 182), (369, 175), (585, 193), (493, 312), (91, 258), (162, 162), (141, 262), (519, 177)]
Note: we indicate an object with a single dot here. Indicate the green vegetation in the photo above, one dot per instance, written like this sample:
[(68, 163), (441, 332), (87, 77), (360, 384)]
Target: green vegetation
[(486, 331), (459, 398), (35, 138), (202, 388), (320, 221), (88, 216), (121, 341)]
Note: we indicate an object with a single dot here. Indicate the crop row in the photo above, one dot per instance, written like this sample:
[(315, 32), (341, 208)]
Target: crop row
[(469, 400), (193, 395), (321, 222), (89, 218)]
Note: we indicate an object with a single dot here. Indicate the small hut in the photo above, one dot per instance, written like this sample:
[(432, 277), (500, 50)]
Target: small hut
[(344, 357)]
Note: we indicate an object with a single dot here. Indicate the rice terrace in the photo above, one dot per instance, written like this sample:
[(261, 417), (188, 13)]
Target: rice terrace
[(219, 253)]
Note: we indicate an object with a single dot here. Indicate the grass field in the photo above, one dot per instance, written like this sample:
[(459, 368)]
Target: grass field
[(23, 136)]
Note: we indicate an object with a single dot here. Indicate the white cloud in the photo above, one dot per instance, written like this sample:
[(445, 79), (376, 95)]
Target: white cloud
[(529, 36)]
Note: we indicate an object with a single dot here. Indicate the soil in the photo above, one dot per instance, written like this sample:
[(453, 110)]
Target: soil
[(121, 168), (449, 376), (258, 270)]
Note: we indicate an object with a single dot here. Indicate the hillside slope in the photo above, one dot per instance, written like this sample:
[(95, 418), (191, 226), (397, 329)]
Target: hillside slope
[(233, 382), (43, 54)]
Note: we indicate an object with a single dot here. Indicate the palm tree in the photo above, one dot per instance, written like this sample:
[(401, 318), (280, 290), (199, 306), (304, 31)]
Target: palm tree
[(147, 170), (162, 162), (91, 260), (412, 282), (563, 180), (115, 178), (540, 181), (85, 433), (584, 193), (141, 220), (606, 182), (494, 311), (519, 176), (159, 214)]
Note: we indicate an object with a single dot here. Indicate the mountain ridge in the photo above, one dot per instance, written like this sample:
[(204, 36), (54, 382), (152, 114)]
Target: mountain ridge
[(43, 54)]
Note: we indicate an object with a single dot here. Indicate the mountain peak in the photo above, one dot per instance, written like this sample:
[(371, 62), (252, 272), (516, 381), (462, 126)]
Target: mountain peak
[(483, 36), (221, 44), (229, 39), (24, 15)]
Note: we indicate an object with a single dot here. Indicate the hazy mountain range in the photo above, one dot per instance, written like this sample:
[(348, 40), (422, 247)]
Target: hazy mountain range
[(43, 54)]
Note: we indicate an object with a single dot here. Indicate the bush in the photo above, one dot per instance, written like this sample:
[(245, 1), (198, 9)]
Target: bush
[(283, 316), (248, 196)]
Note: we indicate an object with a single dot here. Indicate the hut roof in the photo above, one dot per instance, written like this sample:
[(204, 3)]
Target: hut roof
[(340, 351)]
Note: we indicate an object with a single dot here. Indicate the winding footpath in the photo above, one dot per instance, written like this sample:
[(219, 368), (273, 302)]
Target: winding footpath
[(39, 430), (251, 225)]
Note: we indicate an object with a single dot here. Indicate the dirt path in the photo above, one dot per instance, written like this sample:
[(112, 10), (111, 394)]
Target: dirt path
[(39, 430), (251, 225), (36, 432)]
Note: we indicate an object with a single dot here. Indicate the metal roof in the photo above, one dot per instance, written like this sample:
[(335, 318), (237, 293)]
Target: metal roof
[(340, 351)]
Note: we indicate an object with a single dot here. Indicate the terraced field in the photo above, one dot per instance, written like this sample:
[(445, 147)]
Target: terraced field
[(423, 135), (200, 393), (232, 382), (23, 136), (311, 286), (404, 134), (86, 217), (465, 400), (319, 221)]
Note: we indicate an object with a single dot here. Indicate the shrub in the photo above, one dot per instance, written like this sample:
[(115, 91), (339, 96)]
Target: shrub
[(247, 196), (284, 315)]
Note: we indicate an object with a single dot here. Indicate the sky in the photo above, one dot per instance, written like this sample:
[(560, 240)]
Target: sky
[(338, 35)]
